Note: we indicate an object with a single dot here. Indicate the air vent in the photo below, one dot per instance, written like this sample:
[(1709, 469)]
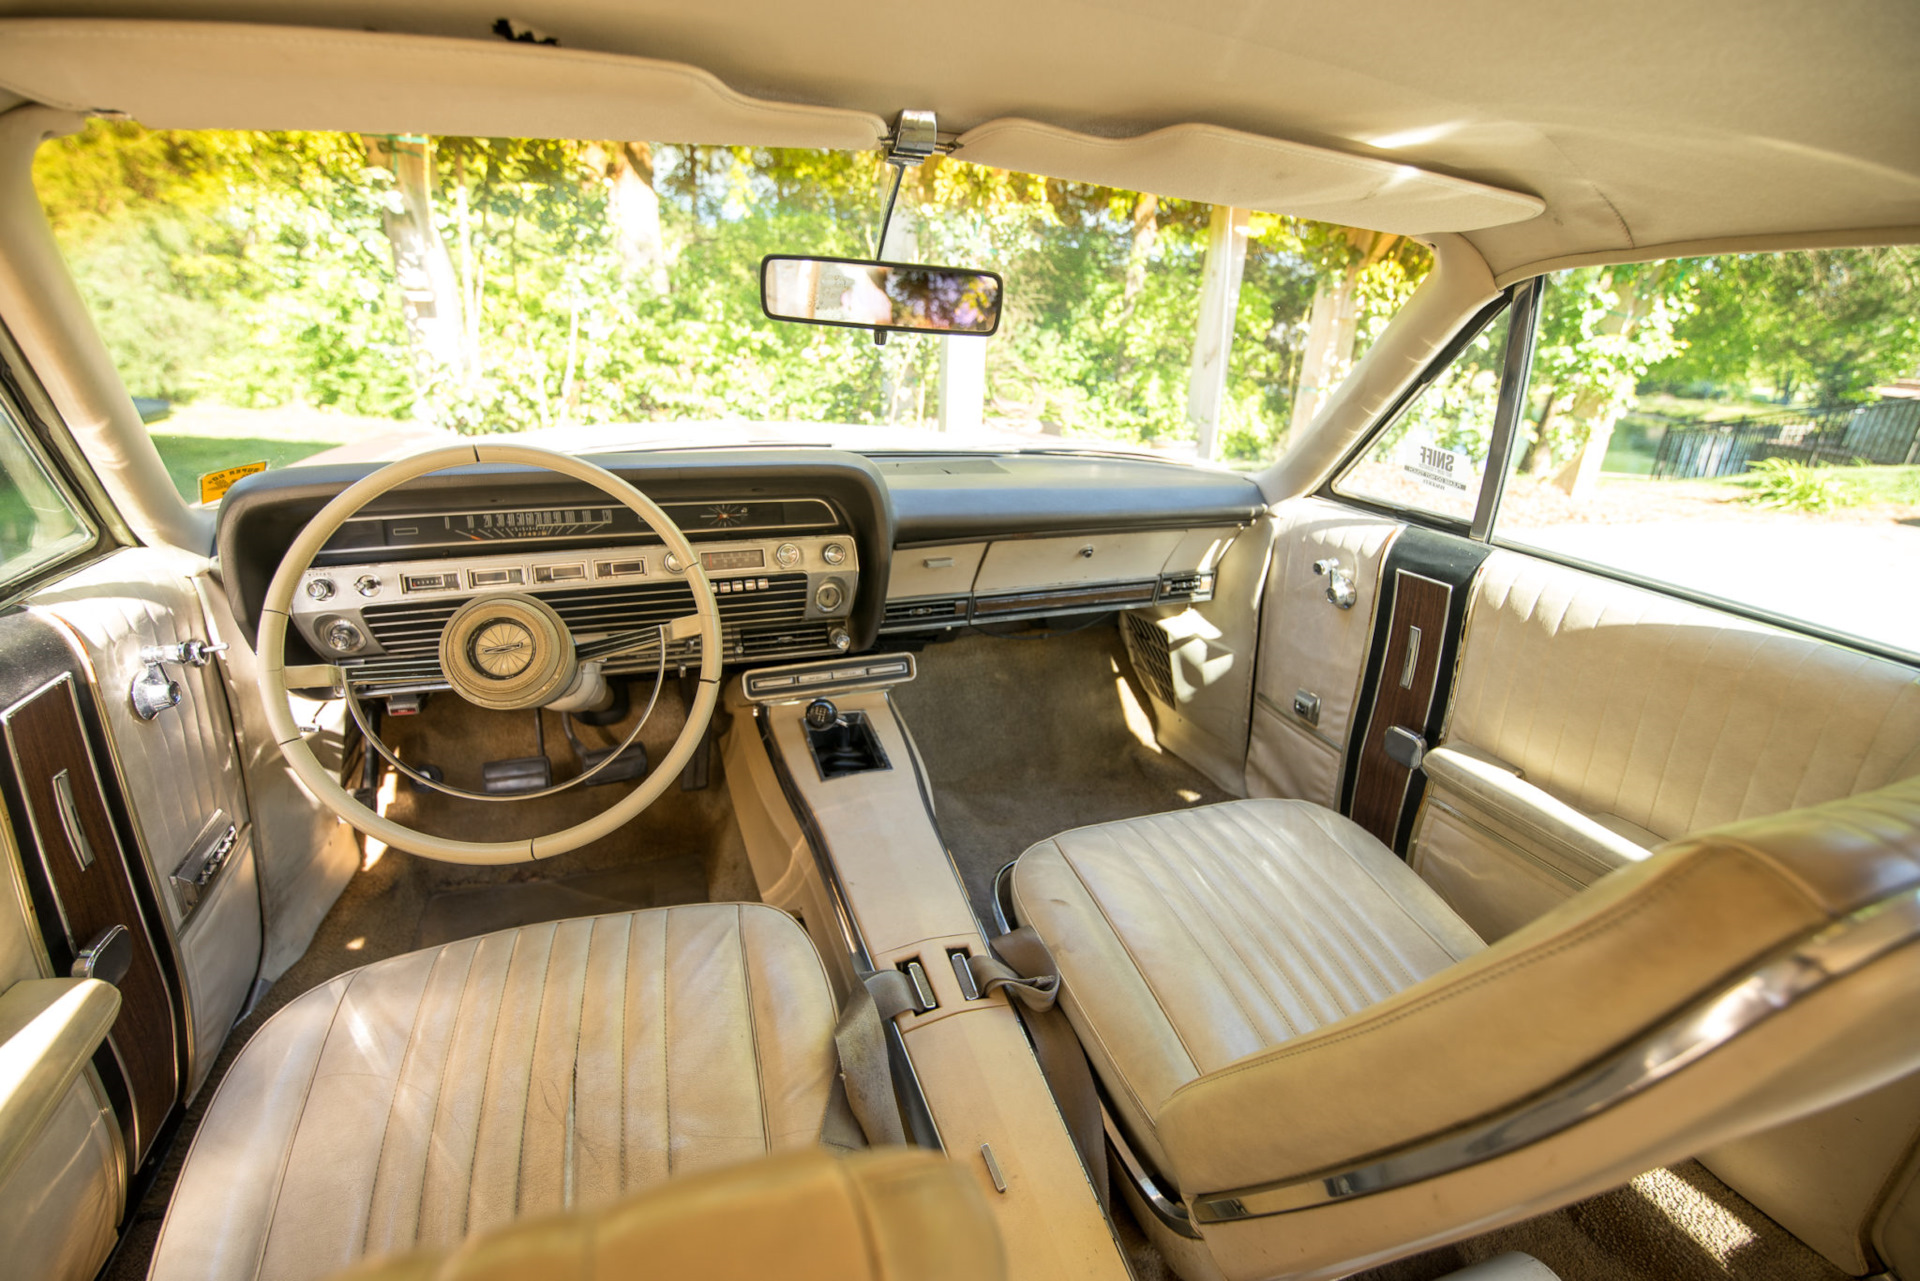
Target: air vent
[(1147, 647), (929, 611)]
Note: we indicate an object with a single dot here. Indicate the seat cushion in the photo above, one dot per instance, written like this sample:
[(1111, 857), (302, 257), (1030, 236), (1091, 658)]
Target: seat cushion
[(553, 1067), (1190, 939), (892, 1214)]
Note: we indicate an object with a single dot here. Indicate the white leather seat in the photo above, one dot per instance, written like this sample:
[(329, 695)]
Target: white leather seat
[(1190, 939), (1330, 1071), (435, 1095)]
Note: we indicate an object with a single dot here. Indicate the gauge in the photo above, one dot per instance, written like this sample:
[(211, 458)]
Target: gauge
[(544, 522)]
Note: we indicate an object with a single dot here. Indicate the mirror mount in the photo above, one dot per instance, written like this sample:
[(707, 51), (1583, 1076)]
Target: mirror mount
[(915, 136)]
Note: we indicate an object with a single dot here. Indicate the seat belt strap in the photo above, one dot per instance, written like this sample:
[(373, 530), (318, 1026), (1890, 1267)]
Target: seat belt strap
[(1027, 973), (866, 1070)]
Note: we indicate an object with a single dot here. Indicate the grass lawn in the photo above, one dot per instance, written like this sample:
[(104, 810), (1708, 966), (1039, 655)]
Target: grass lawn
[(198, 439)]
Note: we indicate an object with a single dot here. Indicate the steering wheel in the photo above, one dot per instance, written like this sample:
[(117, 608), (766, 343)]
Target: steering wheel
[(503, 651)]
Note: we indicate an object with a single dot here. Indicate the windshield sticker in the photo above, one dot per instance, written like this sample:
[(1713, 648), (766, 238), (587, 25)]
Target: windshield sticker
[(215, 484), (1447, 470)]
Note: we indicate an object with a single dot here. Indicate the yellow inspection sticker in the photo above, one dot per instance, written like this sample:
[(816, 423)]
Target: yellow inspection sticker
[(215, 484)]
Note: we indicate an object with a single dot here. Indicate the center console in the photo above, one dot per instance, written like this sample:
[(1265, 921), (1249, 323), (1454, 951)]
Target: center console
[(839, 827)]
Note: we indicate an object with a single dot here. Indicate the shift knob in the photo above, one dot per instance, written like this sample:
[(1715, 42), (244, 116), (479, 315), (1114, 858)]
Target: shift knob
[(821, 714)]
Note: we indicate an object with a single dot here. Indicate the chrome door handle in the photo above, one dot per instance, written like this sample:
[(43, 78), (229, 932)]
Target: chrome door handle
[(1341, 591)]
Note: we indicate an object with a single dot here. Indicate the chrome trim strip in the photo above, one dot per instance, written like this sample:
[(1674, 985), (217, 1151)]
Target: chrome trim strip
[(1172, 1215), (1829, 953)]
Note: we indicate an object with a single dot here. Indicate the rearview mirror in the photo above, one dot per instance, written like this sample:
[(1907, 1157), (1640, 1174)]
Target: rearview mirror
[(858, 294)]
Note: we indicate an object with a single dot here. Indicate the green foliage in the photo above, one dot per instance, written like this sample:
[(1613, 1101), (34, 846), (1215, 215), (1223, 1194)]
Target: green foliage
[(1824, 327), (246, 268), (259, 270), (1791, 486)]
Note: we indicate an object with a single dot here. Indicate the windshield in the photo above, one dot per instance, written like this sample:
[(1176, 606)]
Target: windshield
[(285, 297)]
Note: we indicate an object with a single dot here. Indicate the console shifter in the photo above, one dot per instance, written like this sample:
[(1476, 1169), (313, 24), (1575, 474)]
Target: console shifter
[(841, 745)]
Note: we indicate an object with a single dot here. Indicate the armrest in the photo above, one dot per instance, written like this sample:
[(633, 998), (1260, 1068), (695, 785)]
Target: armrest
[(1497, 787), (50, 1029)]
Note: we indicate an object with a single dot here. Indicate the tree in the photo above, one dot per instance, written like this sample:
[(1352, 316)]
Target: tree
[(1831, 323), (430, 294)]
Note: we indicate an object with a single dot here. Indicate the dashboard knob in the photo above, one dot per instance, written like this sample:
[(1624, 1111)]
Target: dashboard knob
[(673, 564), (367, 585), (821, 714), (829, 596), (834, 554), (839, 638), (321, 589), (343, 637), (786, 555)]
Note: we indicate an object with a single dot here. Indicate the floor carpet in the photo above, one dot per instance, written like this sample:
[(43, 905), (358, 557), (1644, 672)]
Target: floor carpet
[(1024, 739)]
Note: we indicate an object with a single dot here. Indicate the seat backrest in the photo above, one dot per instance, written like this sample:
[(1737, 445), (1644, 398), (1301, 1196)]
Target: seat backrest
[(1735, 979), (890, 1214)]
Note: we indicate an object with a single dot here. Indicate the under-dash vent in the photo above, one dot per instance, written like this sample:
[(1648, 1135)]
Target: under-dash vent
[(1147, 647), (927, 611)]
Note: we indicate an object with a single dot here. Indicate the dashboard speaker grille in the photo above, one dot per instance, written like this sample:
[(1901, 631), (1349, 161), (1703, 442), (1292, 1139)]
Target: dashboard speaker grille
[(412, 629), (1147, 647)]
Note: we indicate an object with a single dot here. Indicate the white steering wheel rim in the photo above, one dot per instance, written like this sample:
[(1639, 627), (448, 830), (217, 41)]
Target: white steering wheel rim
[(271, 679)]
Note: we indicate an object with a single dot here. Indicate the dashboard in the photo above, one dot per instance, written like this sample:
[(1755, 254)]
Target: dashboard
[(811, 552)]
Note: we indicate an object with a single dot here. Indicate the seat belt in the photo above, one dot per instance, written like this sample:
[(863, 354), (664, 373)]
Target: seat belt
[(1027, 973), (866, 1070)]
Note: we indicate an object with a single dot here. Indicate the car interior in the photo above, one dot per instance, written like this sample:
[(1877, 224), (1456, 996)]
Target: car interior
[(790, 860)]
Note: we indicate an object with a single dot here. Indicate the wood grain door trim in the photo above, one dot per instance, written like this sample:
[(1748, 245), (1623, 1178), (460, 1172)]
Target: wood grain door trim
[(1409, 676), (47, 740)]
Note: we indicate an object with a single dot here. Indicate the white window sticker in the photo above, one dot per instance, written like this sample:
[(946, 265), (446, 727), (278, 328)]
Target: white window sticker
[(1436, 467)]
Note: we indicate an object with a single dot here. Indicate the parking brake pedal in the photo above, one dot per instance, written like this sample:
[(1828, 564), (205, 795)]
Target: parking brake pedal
[(519, 774)]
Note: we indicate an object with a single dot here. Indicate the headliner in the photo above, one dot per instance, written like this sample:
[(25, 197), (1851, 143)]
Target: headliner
[(1641, 123)]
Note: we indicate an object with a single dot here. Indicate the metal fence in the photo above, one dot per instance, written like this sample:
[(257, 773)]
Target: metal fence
[(1885, 432)]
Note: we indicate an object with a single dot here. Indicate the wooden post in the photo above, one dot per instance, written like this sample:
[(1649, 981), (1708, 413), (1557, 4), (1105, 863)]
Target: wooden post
[(1213, 330)]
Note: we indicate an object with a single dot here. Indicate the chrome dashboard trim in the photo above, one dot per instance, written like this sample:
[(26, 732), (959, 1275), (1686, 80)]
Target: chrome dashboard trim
[(1828, 953)]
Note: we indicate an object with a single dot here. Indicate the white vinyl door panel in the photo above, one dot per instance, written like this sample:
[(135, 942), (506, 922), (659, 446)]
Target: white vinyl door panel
[(180, 771), (1311, 648)]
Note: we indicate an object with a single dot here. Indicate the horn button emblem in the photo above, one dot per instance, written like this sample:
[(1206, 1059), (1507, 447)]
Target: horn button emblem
[(501, 649)]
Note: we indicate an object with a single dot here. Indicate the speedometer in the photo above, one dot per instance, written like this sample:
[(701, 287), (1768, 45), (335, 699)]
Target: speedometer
[(547, 522)]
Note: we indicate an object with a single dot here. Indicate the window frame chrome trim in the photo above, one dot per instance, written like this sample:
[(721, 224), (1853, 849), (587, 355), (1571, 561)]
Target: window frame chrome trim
[(1831, 952)]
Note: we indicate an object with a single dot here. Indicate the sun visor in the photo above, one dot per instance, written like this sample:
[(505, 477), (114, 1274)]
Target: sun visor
[(210, 75), (1226, 167)]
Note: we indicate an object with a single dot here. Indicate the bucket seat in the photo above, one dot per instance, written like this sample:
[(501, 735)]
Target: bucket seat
[(1325, 1067), (423, 1099)]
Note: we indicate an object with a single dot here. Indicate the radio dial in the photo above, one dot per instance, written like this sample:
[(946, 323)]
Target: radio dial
[(673, 564), (834, 554), (786, 555)]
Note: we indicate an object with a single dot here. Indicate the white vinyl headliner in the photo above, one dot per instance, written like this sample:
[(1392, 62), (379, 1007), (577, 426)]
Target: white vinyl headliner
[(1640, 123)]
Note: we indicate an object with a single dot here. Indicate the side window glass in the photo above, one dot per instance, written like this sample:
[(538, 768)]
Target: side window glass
[(39, 524), (1746, 427), (1432, 457)]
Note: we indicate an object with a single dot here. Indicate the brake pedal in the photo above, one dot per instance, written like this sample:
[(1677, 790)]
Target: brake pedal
[(630, 764), (515, 775), (518, 774)]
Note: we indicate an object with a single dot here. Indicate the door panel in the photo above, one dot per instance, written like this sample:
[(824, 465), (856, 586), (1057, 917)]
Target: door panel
[(1311, 649), (92, 891), (181, 773)]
